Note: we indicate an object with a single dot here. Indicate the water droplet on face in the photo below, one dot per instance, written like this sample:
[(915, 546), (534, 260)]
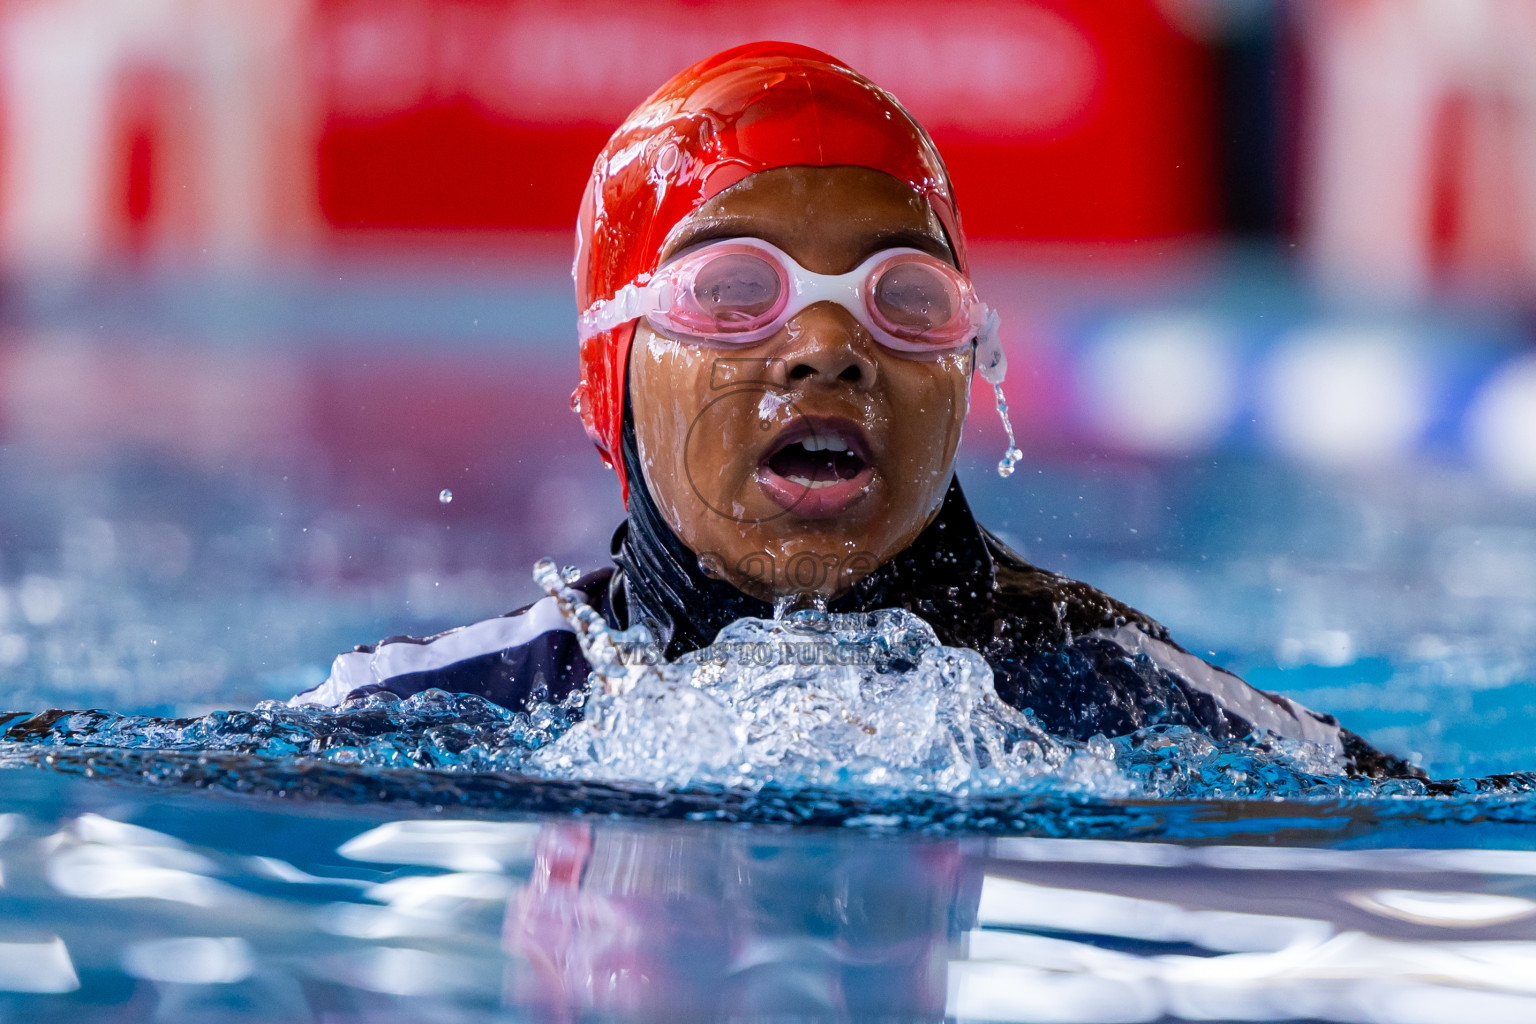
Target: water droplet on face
[(445, 495)]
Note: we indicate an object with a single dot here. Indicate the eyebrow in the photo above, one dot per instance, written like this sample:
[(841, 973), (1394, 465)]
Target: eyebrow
[(751, 227), (912, 238), (717, 228)]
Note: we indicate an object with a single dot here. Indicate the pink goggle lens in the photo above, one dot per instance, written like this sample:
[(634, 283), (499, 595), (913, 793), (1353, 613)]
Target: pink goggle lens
[(918, 299), (728, 291)]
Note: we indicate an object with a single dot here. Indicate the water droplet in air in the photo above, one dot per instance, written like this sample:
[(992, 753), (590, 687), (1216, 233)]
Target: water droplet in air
[(1006, 464), (1012, 456), (807, 608), (445, 495)]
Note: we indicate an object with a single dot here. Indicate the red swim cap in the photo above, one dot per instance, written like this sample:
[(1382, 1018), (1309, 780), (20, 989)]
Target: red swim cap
[(746, 110)]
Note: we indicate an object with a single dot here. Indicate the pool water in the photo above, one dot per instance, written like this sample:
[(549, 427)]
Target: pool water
[(124, 903)]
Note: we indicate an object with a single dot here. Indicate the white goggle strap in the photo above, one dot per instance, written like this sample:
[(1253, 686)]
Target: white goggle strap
[(631, 302), (991, 363)]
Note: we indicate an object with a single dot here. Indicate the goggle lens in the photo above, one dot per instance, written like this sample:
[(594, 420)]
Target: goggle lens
[(915, 299), (734, 291)]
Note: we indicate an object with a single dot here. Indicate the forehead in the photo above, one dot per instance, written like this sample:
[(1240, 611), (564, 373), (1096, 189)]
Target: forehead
[(827, 218)]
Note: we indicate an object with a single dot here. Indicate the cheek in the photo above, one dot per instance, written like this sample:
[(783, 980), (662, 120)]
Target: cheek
[(660, 386), (929, 407), (690, 435)]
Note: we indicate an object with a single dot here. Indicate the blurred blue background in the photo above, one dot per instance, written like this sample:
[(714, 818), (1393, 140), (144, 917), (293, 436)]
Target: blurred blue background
[(277, 275)]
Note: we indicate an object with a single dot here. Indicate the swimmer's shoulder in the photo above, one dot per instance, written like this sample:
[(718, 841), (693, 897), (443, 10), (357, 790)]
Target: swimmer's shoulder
[(530, 651), (1065, 609)]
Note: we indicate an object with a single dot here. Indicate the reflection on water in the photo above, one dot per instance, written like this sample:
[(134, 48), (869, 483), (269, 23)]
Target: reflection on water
[(735, 922), (113, 907)]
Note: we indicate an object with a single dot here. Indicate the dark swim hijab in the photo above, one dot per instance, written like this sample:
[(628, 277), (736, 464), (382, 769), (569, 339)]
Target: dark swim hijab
[(748, 109)]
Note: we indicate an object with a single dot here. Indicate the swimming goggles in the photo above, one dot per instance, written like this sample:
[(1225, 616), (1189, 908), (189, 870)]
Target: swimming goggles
[(739, 291)]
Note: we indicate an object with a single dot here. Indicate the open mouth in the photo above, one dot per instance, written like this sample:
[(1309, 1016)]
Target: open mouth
[(818, 468), (816, 462)]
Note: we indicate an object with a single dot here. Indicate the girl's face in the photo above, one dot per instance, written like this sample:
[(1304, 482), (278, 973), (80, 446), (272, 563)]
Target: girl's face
[(801, 462)]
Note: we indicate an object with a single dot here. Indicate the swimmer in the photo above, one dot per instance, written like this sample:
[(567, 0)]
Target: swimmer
[(778, 341)]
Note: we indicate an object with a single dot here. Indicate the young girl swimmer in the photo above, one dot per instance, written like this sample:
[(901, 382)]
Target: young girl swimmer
[(778, 336)]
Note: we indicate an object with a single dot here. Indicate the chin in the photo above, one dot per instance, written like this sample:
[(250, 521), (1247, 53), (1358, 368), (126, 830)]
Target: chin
[(825, 559)]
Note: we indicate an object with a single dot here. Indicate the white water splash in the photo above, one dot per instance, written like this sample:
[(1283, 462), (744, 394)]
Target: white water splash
[(808, 699)]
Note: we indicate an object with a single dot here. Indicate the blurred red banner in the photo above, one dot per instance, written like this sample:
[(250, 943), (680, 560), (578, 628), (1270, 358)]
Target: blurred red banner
[(1059, 119)]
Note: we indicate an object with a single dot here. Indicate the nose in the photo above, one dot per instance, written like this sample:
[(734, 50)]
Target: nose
[(828, 347)]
